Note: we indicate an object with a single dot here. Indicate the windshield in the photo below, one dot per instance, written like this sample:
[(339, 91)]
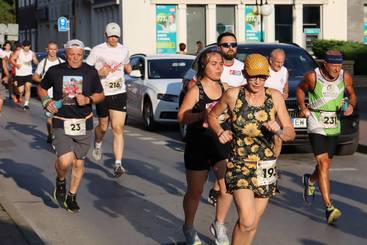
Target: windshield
[(168, 68), (297, 61)]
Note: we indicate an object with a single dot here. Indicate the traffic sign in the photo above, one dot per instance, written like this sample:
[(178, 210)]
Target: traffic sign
[(62, 24)]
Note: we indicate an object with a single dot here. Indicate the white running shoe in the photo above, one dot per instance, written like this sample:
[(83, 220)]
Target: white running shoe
[(97, 153), (219, 231), (191, 236)]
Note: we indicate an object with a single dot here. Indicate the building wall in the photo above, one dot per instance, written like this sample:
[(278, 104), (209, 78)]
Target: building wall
[(355, 20), (334, 20)]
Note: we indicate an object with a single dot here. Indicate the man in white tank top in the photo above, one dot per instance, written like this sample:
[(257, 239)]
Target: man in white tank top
[(22, 59), (111, 59), (278, 78), (50, 60)]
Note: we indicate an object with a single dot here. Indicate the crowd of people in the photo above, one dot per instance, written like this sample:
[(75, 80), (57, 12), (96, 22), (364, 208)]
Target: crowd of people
[(235, 111)]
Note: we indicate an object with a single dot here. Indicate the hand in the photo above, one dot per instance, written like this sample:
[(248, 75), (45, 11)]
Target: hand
[(51, 107), (204, 117), (349, 110), (305, 112), (104, 71), (82, 100), (5, 80), (272, 126), (225, 136)]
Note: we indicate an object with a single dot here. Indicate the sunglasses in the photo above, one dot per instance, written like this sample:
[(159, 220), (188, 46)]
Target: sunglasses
[(227, 45)]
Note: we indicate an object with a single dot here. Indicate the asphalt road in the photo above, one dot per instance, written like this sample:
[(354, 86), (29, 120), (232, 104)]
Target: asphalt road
[(145, 206)]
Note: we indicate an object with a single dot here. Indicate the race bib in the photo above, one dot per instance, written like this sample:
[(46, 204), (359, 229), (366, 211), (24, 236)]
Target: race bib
[(75, 127), (328, 119), (266, 172), (113, 85)]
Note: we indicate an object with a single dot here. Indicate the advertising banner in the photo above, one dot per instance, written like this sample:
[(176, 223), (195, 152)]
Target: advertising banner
[(252, 24), (166, 34), (365, 32)]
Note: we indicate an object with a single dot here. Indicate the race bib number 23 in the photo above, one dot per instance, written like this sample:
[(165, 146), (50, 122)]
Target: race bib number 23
[(75, 127)]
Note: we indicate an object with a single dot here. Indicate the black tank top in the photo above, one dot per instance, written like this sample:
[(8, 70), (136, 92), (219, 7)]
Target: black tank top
[(200, 106)]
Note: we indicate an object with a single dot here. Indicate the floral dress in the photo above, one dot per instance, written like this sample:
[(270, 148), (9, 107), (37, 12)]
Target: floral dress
[(252, 143)]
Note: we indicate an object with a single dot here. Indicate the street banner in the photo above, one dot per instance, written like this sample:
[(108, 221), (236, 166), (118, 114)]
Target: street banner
[(252, 24), (365, 32), (166, 33)]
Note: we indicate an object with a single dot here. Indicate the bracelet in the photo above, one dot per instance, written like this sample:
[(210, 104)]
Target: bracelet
[(220, 133), (279, 132)]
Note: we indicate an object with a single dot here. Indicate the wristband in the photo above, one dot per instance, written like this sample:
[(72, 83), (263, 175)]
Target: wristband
[(279, 132), (45, 100)]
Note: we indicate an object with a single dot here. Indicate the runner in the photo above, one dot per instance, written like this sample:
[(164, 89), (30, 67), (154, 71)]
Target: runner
[(255, 111), (326, 87), (22, 59), (203, 149), (76, 86), (4, 78), (8, 53), (278, 80), (111, 59), (50, 60)]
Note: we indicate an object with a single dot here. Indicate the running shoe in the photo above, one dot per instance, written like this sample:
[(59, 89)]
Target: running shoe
[(191, 236), (50, 138), (26, 107), (70, 203), (332, 214), (118, 171), (60, 191), (213, 197), (309, 189), (219, 231), (97, 153)]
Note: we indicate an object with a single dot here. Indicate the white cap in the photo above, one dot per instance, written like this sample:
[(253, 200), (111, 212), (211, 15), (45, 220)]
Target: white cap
[(113, 29), (74, 43)]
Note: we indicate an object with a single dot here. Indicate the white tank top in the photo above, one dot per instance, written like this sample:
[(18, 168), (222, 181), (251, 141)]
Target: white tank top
[(277, 79), (25, 60)]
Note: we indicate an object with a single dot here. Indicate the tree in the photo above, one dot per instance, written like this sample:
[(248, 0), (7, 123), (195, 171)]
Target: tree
[(7, 11)]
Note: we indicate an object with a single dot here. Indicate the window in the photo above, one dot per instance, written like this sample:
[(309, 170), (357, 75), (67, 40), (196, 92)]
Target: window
[(168, 68), (196, 26), (283, 23), (311, 24), (225, 19)]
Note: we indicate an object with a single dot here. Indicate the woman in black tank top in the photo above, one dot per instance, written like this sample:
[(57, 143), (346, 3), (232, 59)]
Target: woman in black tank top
[(202, 147)]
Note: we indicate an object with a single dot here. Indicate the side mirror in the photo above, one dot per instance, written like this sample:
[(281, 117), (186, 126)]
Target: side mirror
[(135, 73)]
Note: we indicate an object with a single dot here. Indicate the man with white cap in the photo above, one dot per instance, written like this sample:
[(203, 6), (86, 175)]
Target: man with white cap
[(111, 59), (76, 86)]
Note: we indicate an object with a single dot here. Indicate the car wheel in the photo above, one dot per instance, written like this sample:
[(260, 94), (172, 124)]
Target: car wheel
[(348, 149), (149, 123), (183, 131)]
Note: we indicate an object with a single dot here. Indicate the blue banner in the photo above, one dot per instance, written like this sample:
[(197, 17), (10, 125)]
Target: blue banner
[(365, 32), (166, 29), (252, 24)]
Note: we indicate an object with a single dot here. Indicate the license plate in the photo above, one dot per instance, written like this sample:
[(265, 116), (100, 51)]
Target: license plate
[(299, 122)]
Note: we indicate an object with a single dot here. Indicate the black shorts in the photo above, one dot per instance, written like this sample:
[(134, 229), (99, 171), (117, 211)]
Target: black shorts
[(203, 150), (21, 80), (115, 102), (323, 144)]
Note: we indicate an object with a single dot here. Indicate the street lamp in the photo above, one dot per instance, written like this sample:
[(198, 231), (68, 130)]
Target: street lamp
[(263, 9)]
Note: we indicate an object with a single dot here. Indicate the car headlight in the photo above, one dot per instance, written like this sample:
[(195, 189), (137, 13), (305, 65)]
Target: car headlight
[(168, 97)]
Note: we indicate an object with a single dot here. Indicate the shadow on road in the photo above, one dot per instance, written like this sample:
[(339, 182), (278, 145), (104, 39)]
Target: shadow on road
[(354, 219), (38, 137), (29, 178)]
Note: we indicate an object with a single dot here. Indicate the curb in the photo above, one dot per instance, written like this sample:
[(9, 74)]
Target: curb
[(362, 149), (25, 229)]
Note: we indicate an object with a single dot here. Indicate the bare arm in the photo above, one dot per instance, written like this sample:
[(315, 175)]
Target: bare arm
[(36, 77), (348, 83), (5, 68), (128, 68), (307, 83), (286, 88), (34, 59), (185, 114), (14, 57)]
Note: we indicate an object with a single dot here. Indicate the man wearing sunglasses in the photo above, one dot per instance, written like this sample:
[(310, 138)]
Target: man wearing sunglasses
[(232, 75)]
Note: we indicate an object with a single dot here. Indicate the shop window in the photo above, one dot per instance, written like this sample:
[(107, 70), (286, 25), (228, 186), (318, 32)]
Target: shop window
[(311, 24), (283, 23), (225, 19), (196, 26)]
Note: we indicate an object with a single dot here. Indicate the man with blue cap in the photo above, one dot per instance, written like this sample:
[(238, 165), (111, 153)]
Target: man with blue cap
[(326, 86)]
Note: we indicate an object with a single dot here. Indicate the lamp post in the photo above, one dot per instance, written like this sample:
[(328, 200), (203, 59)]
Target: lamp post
[(264, 9)]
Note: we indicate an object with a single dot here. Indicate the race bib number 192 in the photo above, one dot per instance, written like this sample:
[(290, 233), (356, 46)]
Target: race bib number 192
[(75, 127), (266, 172)]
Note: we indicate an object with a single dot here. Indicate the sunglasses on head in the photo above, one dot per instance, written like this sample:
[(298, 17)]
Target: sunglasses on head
[(227, 45)]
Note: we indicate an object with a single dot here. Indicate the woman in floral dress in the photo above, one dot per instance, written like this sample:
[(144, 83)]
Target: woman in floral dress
[(251, 169)]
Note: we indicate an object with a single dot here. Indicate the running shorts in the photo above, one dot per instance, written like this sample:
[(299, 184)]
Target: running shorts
[(323, 144), (21, 80), (79, 144), (115, 102)]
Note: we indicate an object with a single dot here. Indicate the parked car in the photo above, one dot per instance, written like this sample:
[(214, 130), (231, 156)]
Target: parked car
[(298, 62), (153, 87)]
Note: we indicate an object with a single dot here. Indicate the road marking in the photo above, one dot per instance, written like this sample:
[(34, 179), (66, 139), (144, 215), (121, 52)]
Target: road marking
[(130, 134), (160, 142), (146, 138), (343, 169)]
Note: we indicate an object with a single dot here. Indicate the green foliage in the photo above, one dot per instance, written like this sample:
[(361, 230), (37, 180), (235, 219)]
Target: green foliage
[(7, 11), (351, 51)]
